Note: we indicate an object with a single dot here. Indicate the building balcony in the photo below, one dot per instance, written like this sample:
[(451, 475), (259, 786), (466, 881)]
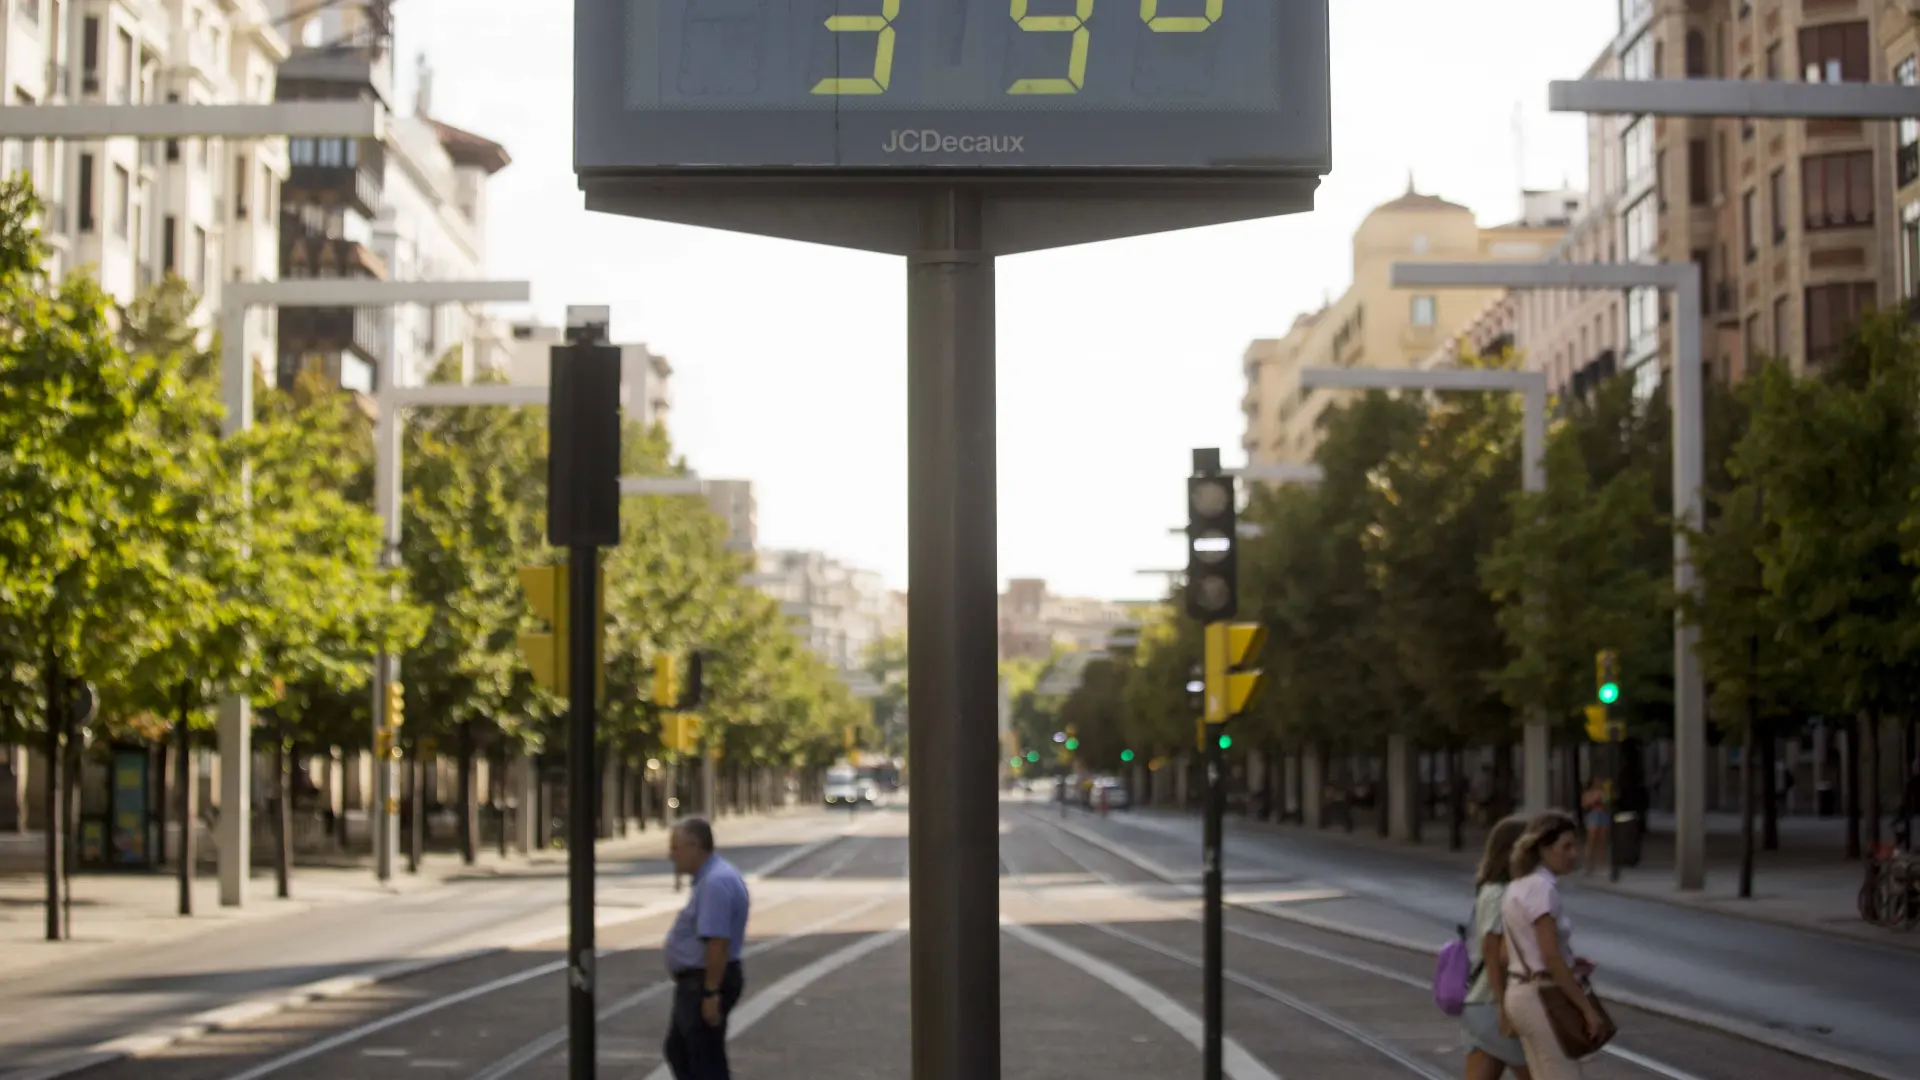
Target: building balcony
[(332, 331), (361, 187), (1726, 298), (1907, 159), (328, 257)]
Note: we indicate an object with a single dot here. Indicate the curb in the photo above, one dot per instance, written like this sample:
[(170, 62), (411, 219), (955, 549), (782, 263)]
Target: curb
[(199, 1025), (1741, 1029), (1896, 944)]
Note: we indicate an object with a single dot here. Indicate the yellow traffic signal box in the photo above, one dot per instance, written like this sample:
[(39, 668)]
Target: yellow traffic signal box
[(546, 654), (680, 732), (1230, 685)]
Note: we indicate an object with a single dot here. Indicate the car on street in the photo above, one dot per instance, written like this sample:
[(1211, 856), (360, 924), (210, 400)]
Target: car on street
[(845, 786)]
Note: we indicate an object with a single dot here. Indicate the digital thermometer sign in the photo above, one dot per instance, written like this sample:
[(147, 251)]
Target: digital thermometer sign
[(991, 85)]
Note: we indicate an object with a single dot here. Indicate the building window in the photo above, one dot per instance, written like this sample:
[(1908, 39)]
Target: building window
[(1838, 190), (1699, 184), (122, 64), (240, 188), (1773, 62), (1643, 321), (1780, 334), (1642, 222), (122, 207), (1749, 227), (1637, 62), (1907, 155), (1777, 183), (86, 193), (1424, 311), (173, 145), (1746, 123), (1646, 380), (1832, 312), (1834, 53), (197, 259), (169, 244), (1910, 251), (1636, 151), (1702, 258), (1752, 341), (90, 55), (300, 151), (1696, 55)]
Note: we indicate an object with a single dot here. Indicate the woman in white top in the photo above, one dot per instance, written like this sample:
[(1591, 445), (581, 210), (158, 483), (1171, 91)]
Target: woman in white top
[(1492, 1049), (1539, 943)]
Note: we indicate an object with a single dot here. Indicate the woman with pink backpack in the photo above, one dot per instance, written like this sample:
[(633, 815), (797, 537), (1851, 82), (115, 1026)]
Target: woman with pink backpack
[(1471, 979)]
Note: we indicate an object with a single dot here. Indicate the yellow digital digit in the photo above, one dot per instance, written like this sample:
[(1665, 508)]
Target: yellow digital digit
[(883, 56), (1179, 24), (1076, 24)]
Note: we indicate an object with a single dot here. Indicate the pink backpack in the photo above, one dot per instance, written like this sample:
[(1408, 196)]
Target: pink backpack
[(1453, 975)]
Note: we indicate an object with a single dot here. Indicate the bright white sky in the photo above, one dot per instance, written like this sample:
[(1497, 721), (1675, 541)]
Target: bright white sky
[(1115, 360)]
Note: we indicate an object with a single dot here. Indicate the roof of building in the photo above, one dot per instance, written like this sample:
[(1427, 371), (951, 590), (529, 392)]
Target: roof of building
[(466, 148)]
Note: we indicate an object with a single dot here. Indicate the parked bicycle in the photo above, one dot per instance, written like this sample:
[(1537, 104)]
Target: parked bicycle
[(1890, 896)]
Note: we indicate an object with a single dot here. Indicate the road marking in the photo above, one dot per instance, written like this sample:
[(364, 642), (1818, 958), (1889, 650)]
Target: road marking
[(427, 1008), (551, 1041), (757, 1007), (840, 863), (1276, 912), (1239, 1064)]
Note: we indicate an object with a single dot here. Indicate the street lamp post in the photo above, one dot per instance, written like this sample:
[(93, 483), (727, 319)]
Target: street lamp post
[(237, 299), (1687, 397), (1532, 387)]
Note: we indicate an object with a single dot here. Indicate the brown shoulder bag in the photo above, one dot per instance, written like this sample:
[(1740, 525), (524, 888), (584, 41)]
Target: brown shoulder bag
[(1564, 1015)]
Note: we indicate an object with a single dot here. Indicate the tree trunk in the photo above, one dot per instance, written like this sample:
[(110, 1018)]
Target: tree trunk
[(1770, 790), (1851, 765), (469, 798), (189, 799), (417, 808), (56, 797), (1870, 767), (502, 779), (283, 815), (1749, 791), (1500, 798), (1456, 801)]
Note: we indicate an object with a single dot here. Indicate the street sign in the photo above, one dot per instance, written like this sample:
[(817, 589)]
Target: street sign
[(952, 85)]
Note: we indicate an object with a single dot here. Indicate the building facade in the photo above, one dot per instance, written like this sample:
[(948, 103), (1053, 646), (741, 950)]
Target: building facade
[(840, 611), (732, 501), (410, 207), (1034, 621), (1375, 325), (133, 210), (646, 378)]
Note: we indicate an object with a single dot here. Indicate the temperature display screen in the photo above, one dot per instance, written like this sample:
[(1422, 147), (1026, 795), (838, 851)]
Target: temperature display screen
[(996, 84)]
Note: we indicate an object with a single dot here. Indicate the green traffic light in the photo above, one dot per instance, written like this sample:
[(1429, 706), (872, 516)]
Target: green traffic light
[(1015, 762), (1226, 742), (1609, 693), (1126, 755), (1073, 744), (1033, 756)]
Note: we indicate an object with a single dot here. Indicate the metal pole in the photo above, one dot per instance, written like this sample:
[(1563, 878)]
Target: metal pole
[(583, 571), (1536, 740), (953, 818), (234, 827), (1216, 809), (382, 821), (1690, 704)]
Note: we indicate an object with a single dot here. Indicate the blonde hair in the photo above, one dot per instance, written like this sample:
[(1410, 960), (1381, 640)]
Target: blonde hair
[(1543, 831), (1496, 862)]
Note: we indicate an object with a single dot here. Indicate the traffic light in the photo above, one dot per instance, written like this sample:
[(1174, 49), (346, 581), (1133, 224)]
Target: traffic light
[(1212, 558), (1597, 728), (1231, 686), (1197, 690), (546, 654), (1126, 755), (694, 691), (1033, 757), (396, 704), (1606, 670), (680, 732)]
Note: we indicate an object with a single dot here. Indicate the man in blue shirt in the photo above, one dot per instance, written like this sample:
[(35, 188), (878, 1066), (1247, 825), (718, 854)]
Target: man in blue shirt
[(703, 955)]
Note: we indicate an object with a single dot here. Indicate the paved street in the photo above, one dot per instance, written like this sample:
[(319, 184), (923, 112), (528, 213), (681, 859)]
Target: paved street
[(1100, 971)]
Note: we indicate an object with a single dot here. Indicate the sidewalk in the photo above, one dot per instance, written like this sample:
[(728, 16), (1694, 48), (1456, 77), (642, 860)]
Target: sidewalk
[(117, 913), (1807, 884)]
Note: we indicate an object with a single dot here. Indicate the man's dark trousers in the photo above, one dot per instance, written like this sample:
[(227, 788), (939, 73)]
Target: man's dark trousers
[(695, 1049)]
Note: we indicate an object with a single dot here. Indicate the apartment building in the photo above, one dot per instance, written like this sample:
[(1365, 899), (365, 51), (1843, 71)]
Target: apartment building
[(732, 501), (1034, 621), (840, 611), (411, 206), (1375, 325), (646, 378), (133, 210), (1793, 223)]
